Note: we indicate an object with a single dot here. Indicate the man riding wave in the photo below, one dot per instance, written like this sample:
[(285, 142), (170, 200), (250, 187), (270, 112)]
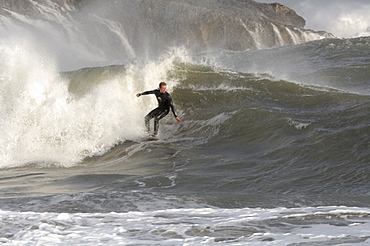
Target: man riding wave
[(164, 105)]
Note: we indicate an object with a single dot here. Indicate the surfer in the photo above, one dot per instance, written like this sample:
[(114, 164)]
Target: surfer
[(164, 105)]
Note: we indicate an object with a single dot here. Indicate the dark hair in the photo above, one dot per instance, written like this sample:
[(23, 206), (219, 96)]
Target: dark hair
[(162, 84)]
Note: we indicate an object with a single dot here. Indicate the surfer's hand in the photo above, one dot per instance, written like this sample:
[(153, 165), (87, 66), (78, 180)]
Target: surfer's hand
[(138, 94), (178, 120)]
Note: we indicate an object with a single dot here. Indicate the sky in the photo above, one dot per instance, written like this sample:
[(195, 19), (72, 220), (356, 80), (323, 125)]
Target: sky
[(343, 18)]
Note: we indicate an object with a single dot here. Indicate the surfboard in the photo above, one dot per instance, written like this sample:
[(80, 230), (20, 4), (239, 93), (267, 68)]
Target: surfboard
[(151, 138)]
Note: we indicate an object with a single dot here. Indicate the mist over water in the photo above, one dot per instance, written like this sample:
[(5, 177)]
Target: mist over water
[(100, 33), (72, 38)]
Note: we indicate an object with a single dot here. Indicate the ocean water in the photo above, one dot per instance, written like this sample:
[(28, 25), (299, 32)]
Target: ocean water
[(274, 148)]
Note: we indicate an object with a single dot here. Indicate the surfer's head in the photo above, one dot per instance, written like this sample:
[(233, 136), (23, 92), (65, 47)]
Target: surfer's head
[(162, 87)]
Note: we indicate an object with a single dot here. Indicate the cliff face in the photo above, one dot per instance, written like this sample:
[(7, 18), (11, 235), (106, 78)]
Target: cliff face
[(219, 24), (281, 14), (154, 25), (229, 24)]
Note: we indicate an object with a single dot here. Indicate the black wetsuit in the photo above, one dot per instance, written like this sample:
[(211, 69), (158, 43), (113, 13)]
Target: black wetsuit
[(164, 106)]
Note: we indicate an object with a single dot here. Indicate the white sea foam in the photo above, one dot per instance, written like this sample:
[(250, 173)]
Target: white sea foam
[(43, 122), (297, 125), (248, 226)]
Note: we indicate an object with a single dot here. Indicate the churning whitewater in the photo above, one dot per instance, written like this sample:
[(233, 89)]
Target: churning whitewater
[(61, 118), (273, 148)]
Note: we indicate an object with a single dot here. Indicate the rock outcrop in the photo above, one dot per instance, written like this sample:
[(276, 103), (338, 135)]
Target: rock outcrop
[(217, 24), (149, 26)]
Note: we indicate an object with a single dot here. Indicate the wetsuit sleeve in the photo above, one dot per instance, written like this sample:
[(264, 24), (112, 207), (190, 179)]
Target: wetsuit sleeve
[(171, 105), (147, 92)]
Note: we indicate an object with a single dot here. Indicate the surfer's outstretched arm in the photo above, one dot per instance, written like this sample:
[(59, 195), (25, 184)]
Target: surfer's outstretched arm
[(145, 93)]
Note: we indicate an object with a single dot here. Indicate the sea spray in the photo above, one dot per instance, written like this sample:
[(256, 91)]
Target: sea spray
[(95, 33), (50, 119)]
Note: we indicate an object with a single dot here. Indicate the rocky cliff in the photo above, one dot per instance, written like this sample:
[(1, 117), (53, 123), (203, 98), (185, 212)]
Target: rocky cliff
[(218, 24), (153, 25)]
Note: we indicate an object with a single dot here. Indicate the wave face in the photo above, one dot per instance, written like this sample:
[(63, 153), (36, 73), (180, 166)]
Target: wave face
[(273, 148), (303, 135)]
